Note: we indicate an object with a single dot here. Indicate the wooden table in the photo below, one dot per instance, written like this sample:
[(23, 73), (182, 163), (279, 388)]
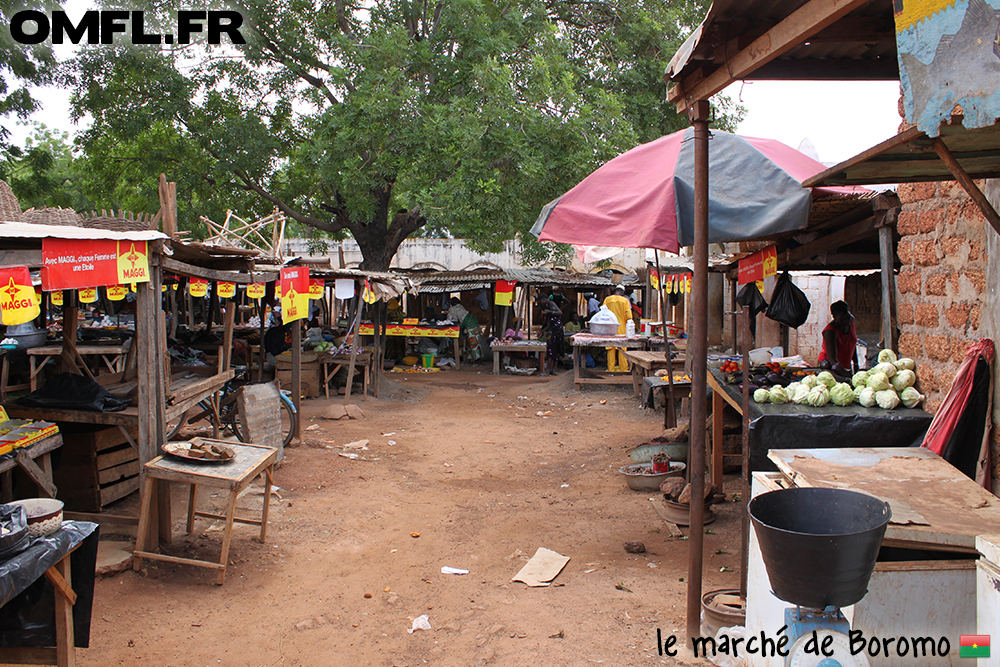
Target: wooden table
[(934, 506), (112, 355), (333, 363), (63, 654), (419, 331), (41, 475), (828, 427), (536, 347), (250, 461), (5, 387), (582, 340), (644, 364)]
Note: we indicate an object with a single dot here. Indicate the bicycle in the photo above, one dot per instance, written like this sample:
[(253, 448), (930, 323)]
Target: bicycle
[(228, 411)]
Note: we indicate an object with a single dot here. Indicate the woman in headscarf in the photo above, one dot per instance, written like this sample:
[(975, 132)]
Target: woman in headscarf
[(471, 334)]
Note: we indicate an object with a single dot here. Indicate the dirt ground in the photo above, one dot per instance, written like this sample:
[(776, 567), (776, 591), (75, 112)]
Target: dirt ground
[(486, 470)]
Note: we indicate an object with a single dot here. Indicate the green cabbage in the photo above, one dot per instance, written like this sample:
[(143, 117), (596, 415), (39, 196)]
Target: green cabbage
[(818, 396), (887, 368), (867, 397), (910, 397), (878, 381), (800, 395), (886, 356), (842, 394), (887, 399), (857, 392), (761, 396), (826, 377), (809, 381), (905, 364), (860, 379), (903, 379), (777, 395)]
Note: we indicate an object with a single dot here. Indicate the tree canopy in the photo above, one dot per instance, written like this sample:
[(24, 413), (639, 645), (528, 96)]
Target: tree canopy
[(385, 119), (21, 67)]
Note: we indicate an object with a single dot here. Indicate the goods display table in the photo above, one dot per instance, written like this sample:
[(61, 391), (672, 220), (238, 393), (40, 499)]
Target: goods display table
[(536, 347), (790, 426), (331, 363), (36, 462), (643, 364), (582, 340), (419, 331), (112, 355), (235, 475), (21, 597)]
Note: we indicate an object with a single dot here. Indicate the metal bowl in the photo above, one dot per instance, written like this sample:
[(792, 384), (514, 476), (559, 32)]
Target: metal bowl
[(45, 515), (639, 481), (28, 340)]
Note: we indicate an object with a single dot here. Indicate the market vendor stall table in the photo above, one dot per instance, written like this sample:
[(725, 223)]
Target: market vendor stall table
[(40, 472), (112, 355), (643, 364), (236, 475), (331, 363), (789, 426), (50, 557), (582, 340), (419, 331), (536, 347)]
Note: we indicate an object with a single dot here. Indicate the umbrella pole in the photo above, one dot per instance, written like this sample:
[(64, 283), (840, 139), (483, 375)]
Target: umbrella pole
[(669, 418), (698, 113)]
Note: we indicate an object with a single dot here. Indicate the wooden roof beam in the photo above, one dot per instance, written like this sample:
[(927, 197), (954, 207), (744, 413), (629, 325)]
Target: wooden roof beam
[(795, 29)]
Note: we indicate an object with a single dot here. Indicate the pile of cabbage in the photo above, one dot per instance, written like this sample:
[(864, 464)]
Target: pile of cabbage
[(888, 385)]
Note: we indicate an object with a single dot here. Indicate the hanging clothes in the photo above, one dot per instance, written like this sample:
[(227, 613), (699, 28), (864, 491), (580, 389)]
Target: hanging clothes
[(960, 431)]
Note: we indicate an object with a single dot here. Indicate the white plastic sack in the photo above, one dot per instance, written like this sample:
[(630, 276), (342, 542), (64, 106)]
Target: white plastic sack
[(604, 316), (723, 660)]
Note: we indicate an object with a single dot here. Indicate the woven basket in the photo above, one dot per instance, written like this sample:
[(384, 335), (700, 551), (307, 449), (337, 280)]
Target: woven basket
[(51, 216), (10, 208), (119, 223)]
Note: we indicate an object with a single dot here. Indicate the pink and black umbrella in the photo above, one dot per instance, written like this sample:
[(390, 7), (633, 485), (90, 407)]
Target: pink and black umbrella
[(644, 198)]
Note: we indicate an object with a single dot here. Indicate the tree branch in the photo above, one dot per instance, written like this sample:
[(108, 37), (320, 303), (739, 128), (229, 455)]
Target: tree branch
[(286, 60), (251, 185)]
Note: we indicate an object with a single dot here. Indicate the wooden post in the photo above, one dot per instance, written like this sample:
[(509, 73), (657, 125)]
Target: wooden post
[(967, 184), (227, 334), (745, 468), (297, 374), (354, 350), (175, 311), (149, 320), (886, 256)]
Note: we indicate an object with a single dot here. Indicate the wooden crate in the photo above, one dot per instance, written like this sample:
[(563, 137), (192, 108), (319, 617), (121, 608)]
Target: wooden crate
[(97, 466)]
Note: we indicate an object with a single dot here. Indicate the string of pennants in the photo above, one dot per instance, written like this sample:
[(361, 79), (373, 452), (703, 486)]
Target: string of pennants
[(671, 283)]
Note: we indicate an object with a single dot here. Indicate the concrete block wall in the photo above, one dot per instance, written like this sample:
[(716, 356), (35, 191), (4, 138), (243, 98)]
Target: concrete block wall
[(807, 340)]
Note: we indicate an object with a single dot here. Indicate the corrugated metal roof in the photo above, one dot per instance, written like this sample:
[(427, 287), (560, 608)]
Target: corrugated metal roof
[(26, 230)]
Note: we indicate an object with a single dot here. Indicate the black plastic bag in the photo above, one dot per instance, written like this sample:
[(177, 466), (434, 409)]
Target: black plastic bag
[(750, 296), (68, 391), (789, 304)]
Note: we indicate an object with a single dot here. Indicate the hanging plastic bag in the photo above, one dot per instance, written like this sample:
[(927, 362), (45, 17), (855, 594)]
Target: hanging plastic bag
[(751, 297), (789, 304)]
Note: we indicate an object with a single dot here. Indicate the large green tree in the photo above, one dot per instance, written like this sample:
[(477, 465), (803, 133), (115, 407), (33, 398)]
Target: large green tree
[(389, 118)]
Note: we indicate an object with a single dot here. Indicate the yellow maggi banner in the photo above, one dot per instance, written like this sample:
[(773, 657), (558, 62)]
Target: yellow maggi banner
[(115, 292), (197, 287), (316, 288), (133, 263), (17, 296), (88, 295), (255, 291), (294, 294), (226, 290), (56, 297)]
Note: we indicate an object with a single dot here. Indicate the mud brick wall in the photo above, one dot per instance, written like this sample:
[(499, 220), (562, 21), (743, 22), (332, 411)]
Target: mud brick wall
[(941, 286)]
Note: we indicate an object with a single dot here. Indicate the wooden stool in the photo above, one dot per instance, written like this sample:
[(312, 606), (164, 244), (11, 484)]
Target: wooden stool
[(250, 461)]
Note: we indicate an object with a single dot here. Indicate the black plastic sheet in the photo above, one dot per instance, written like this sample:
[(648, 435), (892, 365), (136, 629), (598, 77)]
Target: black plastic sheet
[(790, 426), (68, 391), (27, 614)]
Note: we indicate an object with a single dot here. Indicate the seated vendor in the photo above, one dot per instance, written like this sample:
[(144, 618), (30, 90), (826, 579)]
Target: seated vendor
[(840, 341)]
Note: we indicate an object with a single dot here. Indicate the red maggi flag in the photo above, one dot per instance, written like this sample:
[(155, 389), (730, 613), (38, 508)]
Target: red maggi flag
[(505, 292), (17, 296), (654, 279)]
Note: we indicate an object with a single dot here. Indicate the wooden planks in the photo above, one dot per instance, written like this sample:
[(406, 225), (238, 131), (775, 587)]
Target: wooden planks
[(912, 478)]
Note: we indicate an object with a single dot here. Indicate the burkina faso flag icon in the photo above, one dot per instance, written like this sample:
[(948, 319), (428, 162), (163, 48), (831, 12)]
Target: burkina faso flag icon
[(974, 646)]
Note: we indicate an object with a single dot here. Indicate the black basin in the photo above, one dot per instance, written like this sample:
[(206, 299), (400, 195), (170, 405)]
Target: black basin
[(819, 545)]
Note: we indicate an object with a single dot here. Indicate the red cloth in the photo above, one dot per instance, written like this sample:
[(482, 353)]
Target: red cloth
[(947, 416), (847, 345)]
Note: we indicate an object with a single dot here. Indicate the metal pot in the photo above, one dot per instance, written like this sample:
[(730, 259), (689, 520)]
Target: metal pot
[(26, 335)]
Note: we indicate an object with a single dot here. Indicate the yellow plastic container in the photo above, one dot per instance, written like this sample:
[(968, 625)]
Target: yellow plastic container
[(410, 361)]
